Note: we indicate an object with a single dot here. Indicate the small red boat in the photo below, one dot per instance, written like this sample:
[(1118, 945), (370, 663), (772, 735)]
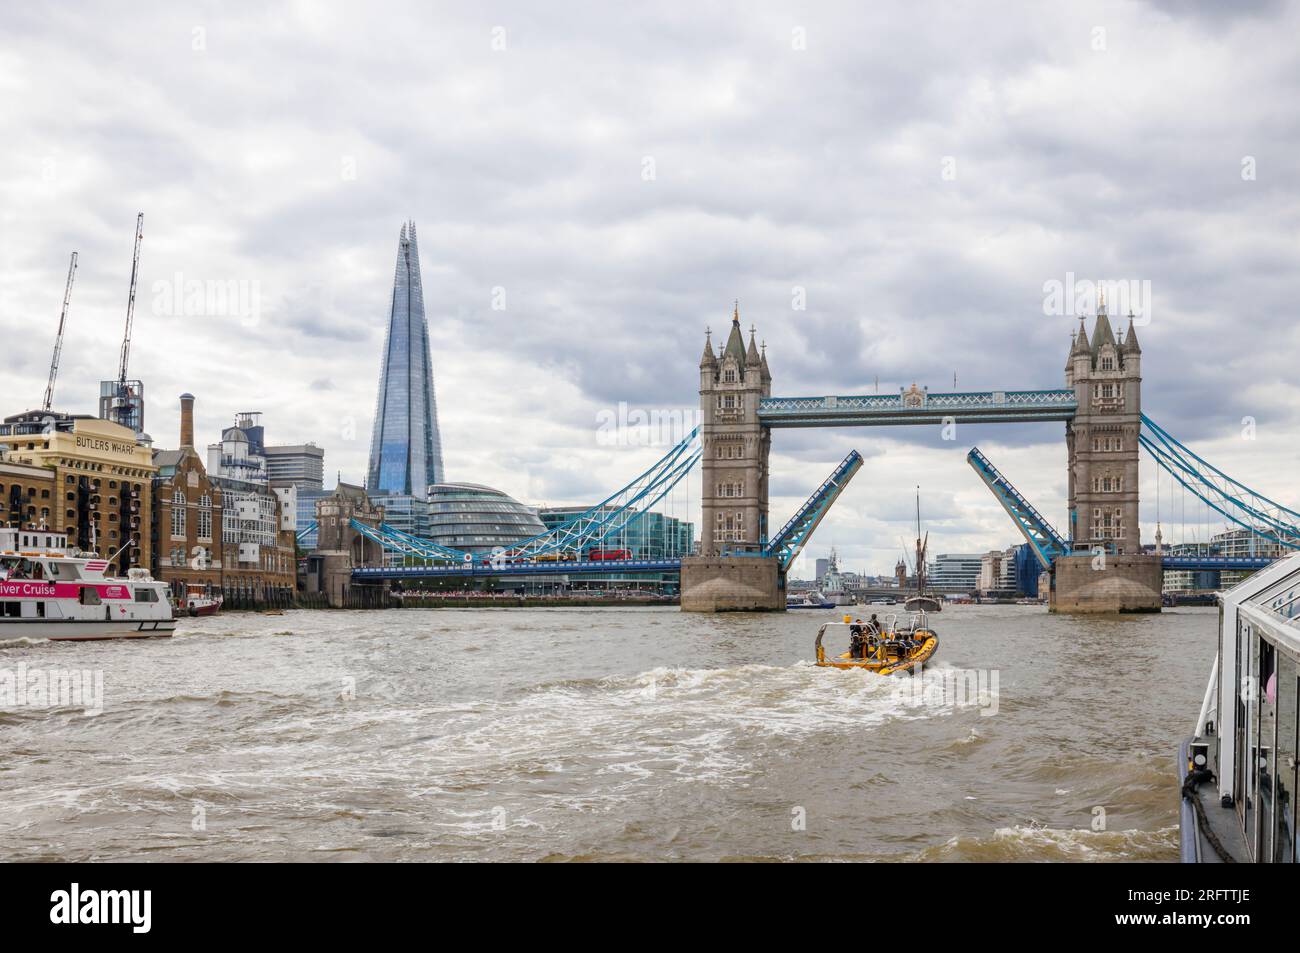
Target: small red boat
[(198, 601)]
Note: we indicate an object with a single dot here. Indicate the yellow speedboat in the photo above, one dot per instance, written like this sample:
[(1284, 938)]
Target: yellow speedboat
[(886, 651)]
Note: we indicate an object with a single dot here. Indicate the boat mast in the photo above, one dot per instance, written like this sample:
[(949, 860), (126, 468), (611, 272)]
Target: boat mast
[(920, 554)]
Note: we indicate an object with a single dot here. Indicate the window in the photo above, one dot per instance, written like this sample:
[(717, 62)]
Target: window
[(1108, 363), (178, 513), (205, 517)]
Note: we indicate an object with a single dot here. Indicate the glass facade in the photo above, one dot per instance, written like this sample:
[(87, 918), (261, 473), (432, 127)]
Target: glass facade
[(405, 447), (651, 536), (477, 518)]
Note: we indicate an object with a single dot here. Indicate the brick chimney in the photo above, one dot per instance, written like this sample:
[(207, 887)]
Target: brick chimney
[(187, 420)]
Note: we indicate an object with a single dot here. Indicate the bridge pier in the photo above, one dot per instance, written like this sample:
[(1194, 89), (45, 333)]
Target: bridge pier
[(732, 584), (1107, 583)]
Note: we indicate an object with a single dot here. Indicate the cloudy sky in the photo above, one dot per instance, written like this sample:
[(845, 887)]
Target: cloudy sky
[(594, 185)]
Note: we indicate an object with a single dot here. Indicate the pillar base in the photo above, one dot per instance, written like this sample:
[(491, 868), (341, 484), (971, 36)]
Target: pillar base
[(732, 584), (1096, 584)]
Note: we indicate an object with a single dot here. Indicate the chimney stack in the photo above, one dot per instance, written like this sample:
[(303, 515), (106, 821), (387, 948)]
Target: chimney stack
[(187, 420)]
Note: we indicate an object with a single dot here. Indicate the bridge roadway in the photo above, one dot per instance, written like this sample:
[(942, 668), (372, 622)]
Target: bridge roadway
[(918, 407), (519, 568), (606, 567)]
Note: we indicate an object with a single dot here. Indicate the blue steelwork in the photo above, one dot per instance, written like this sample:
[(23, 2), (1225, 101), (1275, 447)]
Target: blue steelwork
[(1217, 562), (307, 531), (607, 518), (593, 527), (481, 569), (918, 407), (1237, 502), (787, 544), (1042, 537), (395, 541)]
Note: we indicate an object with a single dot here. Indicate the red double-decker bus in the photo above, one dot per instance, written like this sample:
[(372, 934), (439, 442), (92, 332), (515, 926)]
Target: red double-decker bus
[(600, 554)]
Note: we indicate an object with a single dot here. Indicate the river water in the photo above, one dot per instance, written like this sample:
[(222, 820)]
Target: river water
[(594, 734)]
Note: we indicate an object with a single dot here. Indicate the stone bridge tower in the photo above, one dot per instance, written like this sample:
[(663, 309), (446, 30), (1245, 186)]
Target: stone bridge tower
[(1102, 440), (1102, 448), (729, 573), (735, 445)]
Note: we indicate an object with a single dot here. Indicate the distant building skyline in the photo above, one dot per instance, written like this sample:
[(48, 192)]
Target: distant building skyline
[(405, 446)]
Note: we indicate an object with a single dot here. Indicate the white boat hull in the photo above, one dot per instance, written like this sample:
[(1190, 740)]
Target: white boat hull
[(87, 630)]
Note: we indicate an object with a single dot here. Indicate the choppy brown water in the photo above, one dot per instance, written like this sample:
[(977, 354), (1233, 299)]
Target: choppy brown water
[(604, 734)]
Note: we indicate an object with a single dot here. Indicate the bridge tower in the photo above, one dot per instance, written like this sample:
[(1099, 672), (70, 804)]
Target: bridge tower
[(735, 445), (730, 573), (1102, 440), (1102, 450)]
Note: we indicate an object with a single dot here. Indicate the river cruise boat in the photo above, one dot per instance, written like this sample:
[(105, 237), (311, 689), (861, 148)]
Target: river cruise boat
[(51, 591), (808, 600), (1238, 770)]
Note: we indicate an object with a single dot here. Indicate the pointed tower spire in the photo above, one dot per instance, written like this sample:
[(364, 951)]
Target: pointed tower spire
[(1130, 337), (709, 358), (735, 340), (751, 353)]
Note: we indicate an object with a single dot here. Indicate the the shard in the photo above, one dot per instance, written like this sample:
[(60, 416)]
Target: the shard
[(405, 448)]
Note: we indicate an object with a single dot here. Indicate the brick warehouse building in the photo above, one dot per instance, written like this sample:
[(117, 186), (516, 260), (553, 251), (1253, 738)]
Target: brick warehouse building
[(101, 491), (186, 517)]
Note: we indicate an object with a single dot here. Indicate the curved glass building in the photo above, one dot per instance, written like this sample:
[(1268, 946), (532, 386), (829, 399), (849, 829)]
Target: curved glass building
[(405, 448), (477, 518)]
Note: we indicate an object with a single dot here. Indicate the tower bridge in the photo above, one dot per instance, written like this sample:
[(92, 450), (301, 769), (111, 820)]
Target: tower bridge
[(741, 562)]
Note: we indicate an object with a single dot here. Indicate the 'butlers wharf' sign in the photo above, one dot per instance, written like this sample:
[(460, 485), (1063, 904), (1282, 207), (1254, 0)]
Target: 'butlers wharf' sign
[(100, 444)]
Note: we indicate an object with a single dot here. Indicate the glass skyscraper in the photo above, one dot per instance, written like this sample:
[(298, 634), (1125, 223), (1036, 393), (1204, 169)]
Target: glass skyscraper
[(405, 448)]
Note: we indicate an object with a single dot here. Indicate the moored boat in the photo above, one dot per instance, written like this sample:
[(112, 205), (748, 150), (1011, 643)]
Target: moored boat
[(200, 602), (884, 650), (51, 591), (1239, 770), (809, 600)]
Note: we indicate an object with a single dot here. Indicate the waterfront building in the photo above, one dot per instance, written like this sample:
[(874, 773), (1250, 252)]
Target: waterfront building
[(998, 571), (28, 495), (405, 447), (821, 567), (103, 482), (477, 518), (1242, 542), (306, 522), (301, 465), (956, 572), (259, 522), (186, 516), (1187, 580)]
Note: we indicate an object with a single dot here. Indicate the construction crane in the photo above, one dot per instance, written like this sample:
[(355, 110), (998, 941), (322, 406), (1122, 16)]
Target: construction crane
[(121, 411), (58, 340)]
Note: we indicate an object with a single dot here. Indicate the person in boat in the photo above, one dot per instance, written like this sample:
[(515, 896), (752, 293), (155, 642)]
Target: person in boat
[(856, 638)]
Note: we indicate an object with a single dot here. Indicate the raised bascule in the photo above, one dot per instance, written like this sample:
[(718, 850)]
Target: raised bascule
[(1097, 564)]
